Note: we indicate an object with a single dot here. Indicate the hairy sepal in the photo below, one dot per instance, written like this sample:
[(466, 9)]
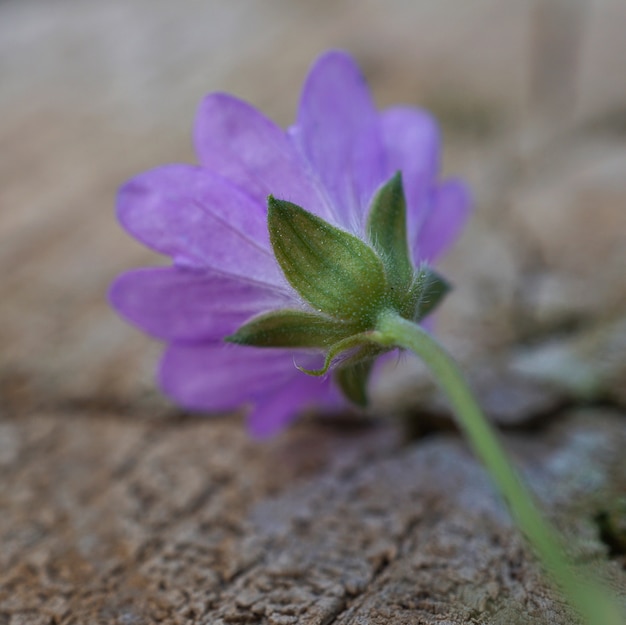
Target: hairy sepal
[(352, 380), (333, 270), (292, 328), (426, 293), (386, 229)]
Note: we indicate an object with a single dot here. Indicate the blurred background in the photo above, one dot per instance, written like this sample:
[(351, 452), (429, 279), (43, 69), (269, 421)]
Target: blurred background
[(107, 488), (529, 94)]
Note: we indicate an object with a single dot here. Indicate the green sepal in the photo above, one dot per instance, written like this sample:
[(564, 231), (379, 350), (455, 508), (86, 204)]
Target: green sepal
[(355, 348), (352, 380), (386, 229), (336, 272), (291, 328), (427, 292)]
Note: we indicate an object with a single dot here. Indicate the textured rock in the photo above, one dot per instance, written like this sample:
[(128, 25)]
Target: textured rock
[(190, 522)]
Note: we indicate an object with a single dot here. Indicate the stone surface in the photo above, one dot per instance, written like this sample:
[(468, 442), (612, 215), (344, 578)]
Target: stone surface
[(112, 520)]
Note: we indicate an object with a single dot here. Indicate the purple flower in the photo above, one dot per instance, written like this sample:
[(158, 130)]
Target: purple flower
[(212, 220)]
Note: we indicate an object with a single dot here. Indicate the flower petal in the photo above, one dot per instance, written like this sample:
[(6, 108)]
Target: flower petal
[(219, 376), (369, 165), (199, 219), (236, 141), (411, 138), (337, 131), (182, 304), (451, 206), (280, 408)]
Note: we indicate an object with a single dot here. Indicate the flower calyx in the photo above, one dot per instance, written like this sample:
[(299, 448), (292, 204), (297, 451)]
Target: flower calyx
[(348, 284)]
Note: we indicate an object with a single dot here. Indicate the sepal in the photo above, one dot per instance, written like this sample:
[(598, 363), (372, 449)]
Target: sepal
[(352, 380), (351, 350), (334, 271), (386, 229), (291, 328), (427, 292)]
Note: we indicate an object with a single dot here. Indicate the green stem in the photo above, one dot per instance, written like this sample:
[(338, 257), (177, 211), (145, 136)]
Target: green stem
[(596, 606)]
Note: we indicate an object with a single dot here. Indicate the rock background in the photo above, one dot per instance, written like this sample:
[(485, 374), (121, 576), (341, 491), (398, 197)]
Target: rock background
[(117, 508)]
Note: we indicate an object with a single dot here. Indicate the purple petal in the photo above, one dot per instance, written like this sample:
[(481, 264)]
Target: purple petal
[(272, 414), (199, 219), (411, 139), (369, 166), (337, 131), (219, 376), (430, 322), (181, 304), (236, 141), (451, 205)]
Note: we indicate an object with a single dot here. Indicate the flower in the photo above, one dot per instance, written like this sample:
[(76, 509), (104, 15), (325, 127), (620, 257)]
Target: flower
[(211, 219)]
